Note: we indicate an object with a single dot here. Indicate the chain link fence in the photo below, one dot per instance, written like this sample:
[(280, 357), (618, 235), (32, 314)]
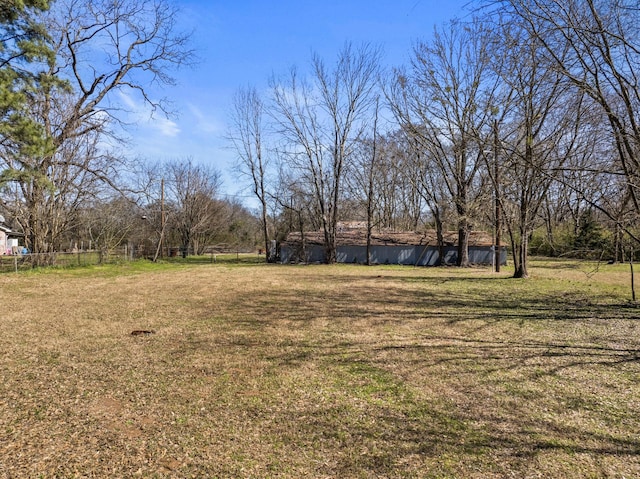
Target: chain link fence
[(25, 262)]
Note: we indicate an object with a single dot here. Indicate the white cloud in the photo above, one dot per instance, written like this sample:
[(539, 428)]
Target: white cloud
[(204, 123), (128, 101), (143, 115), (165, 126)]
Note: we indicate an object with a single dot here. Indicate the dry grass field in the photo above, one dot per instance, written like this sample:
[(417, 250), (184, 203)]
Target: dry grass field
[(319, 371)]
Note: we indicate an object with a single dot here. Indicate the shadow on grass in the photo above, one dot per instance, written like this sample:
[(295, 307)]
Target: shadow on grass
[(398, 304), (458, 383), (498, 432), (390, 424), (509, 355), (449, 443)]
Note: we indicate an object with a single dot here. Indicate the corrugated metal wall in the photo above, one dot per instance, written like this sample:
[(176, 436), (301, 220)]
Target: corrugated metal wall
[(405, 254)]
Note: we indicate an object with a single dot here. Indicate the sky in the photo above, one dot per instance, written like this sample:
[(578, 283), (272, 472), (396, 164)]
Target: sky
[(243, 43)]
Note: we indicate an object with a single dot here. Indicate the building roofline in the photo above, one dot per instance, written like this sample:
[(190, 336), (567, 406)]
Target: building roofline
[(358, 237)]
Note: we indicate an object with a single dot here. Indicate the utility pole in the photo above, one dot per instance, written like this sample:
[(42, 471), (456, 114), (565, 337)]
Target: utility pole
[(497, 208), (162, 218), (159, 249)]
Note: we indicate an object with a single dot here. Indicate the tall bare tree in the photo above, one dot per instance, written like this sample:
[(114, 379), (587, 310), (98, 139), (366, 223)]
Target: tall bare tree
[(321, 123), (446, 102), (595, 44), (247, 137), (193, 189), (539, 130), (101, 47), (362, 174)]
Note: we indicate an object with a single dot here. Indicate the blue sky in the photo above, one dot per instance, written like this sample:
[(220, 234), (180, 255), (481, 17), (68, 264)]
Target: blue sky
[(242, 43)]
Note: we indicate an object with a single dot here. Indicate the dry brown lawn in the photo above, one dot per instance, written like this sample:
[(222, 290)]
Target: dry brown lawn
[(319, 371)]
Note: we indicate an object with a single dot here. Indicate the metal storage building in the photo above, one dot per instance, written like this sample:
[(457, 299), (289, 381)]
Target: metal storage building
[(407, 248)]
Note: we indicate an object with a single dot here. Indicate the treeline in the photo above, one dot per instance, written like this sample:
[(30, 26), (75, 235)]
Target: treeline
[(166, 209), (521, 120), (174, 208)]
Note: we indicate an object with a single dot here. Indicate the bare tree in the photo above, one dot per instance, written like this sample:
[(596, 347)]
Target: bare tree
[(540, 129), (247, 137), (101, 47), (400, 202), (132, 44), (446, 102), (595, 44), (109, 223), (424, 173), (192, 188), (321, 123), (361, 180)]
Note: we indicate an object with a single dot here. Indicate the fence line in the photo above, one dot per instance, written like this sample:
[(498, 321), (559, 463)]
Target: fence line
[(24, 262)]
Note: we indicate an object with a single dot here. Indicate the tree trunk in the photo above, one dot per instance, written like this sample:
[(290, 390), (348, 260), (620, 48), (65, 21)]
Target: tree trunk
[(330, 229), (463, 248), (37, 232), (521, 253), (440, 237), (186, 242), (265, 231), (330, 249), (463, 220)]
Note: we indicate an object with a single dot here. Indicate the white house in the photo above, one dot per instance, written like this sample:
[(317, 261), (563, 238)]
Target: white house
[(8, 239)]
